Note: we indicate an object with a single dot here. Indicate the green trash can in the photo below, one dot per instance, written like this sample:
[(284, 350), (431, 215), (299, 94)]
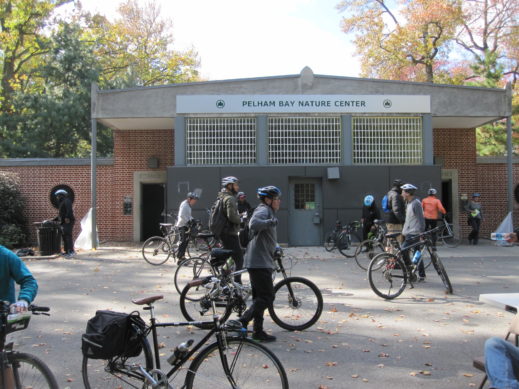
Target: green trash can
[(49, 237)]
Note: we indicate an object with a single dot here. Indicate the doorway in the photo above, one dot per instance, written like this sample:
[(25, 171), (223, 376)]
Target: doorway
[(152, 208), (305, 212)]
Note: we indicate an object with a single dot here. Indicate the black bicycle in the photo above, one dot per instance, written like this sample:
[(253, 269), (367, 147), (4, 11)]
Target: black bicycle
[(297, 306), (374, 245), (21, 370), (388, 275), (232, 361), (344, 238)]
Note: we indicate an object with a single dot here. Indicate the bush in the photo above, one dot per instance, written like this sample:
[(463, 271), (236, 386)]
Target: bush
[(13, 222)]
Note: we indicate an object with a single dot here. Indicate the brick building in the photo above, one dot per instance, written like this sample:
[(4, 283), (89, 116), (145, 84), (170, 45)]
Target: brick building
[(325, 141)]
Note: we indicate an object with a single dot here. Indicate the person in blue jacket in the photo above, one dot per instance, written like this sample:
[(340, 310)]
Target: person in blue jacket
[(13, 270)]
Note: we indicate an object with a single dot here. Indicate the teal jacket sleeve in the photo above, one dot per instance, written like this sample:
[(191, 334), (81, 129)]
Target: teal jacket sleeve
[(23, 277)]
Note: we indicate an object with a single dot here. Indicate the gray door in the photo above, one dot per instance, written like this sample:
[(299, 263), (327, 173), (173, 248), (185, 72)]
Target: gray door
[(305, 212)]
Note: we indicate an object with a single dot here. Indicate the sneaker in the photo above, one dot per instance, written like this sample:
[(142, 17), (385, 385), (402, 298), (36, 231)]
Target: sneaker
[(68, 256), (421, 279), (262, 336)]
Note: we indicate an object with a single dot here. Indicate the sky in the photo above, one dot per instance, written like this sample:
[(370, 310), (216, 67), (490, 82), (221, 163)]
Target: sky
[(243, 38)]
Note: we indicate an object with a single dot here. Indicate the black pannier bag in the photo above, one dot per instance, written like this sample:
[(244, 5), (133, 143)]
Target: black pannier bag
[(111, 334)]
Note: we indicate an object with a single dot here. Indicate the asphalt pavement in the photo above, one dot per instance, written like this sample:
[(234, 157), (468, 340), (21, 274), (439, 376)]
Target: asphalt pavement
[(422, 339)]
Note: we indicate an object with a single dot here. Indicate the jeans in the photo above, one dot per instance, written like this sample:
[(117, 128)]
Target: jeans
[(502, 363), (430, 224), (410, 240), (184, 241), (474, 223), (232, 242), (262, 297), (66, 233)]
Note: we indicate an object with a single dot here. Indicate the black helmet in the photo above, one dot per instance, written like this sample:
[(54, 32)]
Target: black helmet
[(397, 182), (269, 191), (193, 195)]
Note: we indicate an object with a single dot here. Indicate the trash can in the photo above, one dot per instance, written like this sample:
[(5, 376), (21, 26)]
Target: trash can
[(49, 237)]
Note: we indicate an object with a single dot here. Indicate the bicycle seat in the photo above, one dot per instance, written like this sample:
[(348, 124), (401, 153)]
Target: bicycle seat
[(147, 300), (205, 234), (393, 235), (165, 224), (219, 256)]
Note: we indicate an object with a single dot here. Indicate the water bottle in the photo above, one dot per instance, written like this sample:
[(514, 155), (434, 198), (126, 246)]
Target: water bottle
[(180, 352), (417, 256)]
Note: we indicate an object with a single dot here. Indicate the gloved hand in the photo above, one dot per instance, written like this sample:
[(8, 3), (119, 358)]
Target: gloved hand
[(19, 306), (273, 222)]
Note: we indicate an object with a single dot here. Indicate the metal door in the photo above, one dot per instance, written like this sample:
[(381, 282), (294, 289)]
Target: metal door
[(305, 212)]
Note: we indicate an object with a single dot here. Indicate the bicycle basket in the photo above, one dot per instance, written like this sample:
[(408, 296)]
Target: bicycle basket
[(18, 322)]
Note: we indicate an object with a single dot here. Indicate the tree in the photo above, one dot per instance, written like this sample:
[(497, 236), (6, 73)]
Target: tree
[(13, 223), (409, 43)]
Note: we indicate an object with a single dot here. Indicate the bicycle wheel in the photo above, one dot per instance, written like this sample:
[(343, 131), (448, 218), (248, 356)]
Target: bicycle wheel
[(117, 372), (366, 251), (450, 240), (440, 269), (251, 365), (387, 276), (426, 257), (329, 241), (190, 269), (156, 250), (344, 245), (298, 304), (195, 304), (30, 372)]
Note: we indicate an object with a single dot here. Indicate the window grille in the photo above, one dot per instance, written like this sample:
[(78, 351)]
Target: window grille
[(304, 196), (221, 141), (304, 140), (387, 140)]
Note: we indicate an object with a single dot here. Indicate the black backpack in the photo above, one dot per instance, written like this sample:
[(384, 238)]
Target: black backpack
[(113, 334), (217, 218), (246, 234)]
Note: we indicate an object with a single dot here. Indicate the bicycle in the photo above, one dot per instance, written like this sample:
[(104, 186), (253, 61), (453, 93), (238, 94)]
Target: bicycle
[(447, 233), (230, 361), (343, 238), (388, 274), (21, 370), (298, 302), (373, 246)]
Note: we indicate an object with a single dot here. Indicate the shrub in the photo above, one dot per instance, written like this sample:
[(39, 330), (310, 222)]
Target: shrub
[(13, 222)]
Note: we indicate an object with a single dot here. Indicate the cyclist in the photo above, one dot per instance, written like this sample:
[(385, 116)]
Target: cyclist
[(259, 259), (13, 270), (432, 207), (243, 205), (473, 209), (229, 236), (370, 213), (396, 217), (184, 220), (414, 224), (67, 220)]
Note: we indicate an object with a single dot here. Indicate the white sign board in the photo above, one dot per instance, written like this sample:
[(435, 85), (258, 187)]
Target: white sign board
[(303, 104)]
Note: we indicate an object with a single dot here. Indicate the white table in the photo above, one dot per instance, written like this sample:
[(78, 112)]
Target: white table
[(507, 301)]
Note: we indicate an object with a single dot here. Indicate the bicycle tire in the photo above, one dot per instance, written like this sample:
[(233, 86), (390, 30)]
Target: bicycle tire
[(156, 250), (30, 371), (366, 251), (190, 269), (298, 314), (450, 240), (251, 366), (116, 372), (347, 243), (440, 269), (329, 241), (383, 270), (195, 305)]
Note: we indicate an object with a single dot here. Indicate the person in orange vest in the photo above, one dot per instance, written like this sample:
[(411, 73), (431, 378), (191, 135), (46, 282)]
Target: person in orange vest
[(432, 207)]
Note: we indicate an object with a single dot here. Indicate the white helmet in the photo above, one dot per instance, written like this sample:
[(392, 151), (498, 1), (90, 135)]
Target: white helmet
[(229, 180), (431, 191), (410, 188)]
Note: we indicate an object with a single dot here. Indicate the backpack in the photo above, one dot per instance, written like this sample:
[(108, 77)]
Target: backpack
[(246, 234), (113, 334), (385, 204), (217, 218)]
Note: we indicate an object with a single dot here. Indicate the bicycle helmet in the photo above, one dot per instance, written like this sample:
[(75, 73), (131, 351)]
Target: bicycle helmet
[(476, 195), (397, 182), (61, 192), (368, 200), (193, 195), (241, 194), (431, 192), (269, 191), (409, 188), (229, 180)]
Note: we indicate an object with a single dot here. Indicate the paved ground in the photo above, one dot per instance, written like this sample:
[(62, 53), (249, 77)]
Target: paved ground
[(423, 339)]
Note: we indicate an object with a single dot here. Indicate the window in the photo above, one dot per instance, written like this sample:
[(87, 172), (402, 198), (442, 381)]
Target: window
[(221, 141), (304, 140), (387, 140), (304, 196)]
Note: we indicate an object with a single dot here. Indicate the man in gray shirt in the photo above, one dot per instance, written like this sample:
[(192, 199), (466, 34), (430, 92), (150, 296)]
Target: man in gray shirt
[(414, 224)]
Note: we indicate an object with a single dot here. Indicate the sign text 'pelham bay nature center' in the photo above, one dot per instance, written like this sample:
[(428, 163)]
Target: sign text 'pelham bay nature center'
[(204, 104)]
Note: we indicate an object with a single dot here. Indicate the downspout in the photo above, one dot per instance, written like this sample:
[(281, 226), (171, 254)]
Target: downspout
[(93, 163), (509, 153)]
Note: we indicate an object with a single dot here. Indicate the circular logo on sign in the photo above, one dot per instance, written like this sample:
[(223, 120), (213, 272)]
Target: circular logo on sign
[(387, 103), (220, 104)]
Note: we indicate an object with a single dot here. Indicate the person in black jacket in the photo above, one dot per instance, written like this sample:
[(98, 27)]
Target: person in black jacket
[(370, 213), (66, 219), (396, 217)]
